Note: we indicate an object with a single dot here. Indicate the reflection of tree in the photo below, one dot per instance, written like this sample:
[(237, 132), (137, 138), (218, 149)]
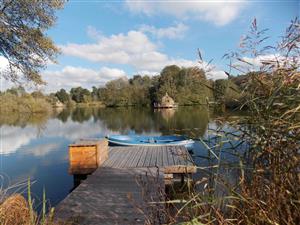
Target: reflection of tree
[(184, 119), (78, 114), (124, 120), (64, 114), (23, 119), (81, 114), (144, 120)]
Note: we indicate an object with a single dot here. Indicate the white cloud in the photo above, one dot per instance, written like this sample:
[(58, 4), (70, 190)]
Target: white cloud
[(3, 63), (173, 32), (216, 74), (247, 64), (258, 61), (134, 49), (116, 48), (217, 12), (4, 84), (71, 76)]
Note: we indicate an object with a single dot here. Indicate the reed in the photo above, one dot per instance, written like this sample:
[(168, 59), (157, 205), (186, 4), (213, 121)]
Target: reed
[(15, 209), (252, 167)]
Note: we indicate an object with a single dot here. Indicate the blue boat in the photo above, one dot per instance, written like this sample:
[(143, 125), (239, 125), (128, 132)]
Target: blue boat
[(140, 140)]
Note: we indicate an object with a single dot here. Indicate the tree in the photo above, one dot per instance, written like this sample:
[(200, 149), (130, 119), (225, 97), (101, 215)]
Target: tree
[(23, 41), (188, 86), (168, 78), (80, 94), (95, 94), (63, 96)]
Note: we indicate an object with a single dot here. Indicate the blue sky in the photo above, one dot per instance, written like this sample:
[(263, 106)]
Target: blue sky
[(104, 40)]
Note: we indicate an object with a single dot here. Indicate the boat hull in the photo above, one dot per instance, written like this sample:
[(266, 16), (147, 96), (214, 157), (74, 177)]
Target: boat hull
[(134, 140)]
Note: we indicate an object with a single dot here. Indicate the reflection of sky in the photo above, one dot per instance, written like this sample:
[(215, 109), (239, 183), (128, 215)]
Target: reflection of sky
[(15, 138), (42, 155)]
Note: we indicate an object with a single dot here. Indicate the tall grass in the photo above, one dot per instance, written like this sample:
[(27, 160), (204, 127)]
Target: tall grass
[(15, 209), (253, 170)]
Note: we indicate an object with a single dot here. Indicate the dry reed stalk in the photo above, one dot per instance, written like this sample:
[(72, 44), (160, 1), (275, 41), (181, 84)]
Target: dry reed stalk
[(15, 211)]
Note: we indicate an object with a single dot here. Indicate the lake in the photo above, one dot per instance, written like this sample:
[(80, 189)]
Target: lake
[(37, 146)]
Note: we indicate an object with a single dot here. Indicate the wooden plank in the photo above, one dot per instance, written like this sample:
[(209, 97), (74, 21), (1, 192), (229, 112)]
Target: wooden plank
[(143, 157), (186, 157), (173, 154), (103, 198), (159, 160), (124, 157), (120, 157), (136, 162), (180, 169), (154, 152), (137, 157), (147, 158), (113, 155), (169, 157), (134, 154), (165, 157), (109, 161)]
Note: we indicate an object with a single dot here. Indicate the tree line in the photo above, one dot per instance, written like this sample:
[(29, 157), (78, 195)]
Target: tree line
[(187, 86)]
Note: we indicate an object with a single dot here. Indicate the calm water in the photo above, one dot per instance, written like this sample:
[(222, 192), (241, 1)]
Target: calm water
[(37, 147)]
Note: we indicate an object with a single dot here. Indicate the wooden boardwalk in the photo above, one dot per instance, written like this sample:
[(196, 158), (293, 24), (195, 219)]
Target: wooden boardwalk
[(172, 159), (119, 191)]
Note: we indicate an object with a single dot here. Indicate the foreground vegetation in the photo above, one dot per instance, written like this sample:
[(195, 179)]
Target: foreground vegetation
[(262, 148)]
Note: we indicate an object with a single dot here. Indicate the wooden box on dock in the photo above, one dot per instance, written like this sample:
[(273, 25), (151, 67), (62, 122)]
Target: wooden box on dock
[(85, 156)]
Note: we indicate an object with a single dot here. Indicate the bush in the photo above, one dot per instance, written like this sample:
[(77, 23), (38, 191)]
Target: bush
[(11, 103)]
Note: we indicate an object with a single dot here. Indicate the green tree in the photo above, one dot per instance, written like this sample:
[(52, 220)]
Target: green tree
[(95, 94), (80, 95), (167, 81), (23, 41), (63, 96), (188, 86)]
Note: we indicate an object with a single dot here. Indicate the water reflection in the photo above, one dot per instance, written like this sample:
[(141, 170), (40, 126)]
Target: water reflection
[(36, 145), (167, 113)]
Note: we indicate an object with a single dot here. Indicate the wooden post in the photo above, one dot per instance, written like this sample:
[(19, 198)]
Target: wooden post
[(85, 156)]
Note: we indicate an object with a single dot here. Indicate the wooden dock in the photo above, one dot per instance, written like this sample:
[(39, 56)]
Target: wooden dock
[(120, 190)]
